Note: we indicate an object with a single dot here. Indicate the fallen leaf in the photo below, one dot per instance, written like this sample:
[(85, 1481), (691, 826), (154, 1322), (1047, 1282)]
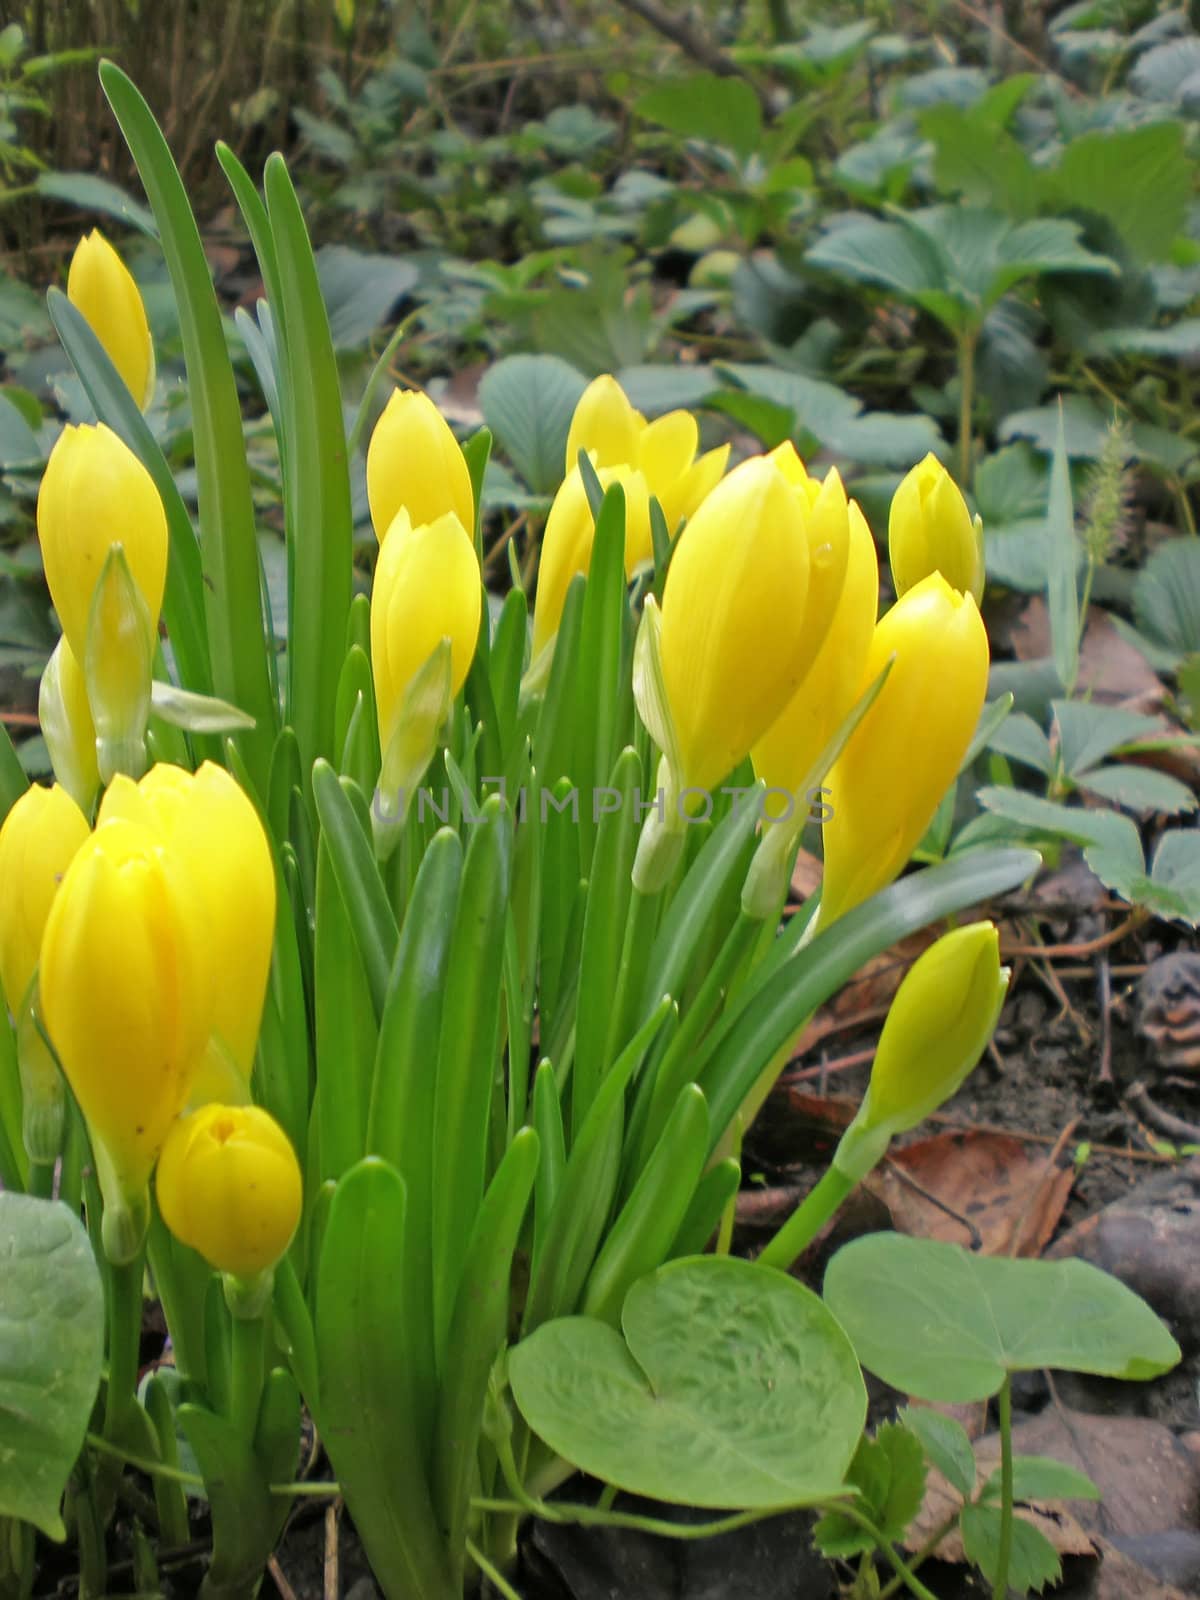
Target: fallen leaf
[(1005, 1191), (1111, 668)]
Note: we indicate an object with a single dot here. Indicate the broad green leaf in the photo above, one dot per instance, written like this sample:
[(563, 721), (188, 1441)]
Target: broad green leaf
[(667, 386), (1087, 427), (1020, 738), (18, 442), (946, 1443), (359, 290), (1139, 788), (719, 110), (836, 418), (1033, 1560), (1181, 339), (1140, 178), (732, 1386), (1087, 733), (528, 401), (939, 1323), (1115, 834), (983, 163), (1166, 596), (51, 1350), (1043, 1478), (88, 192)]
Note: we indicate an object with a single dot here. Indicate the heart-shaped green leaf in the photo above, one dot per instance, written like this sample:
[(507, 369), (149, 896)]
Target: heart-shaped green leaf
[(940, 1323), (51, 1346), (733, 1386)]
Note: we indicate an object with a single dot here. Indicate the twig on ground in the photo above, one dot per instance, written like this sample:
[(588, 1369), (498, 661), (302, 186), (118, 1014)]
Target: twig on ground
[(1104, 984), (1163, 1121), (681, 33), (332, 1583), (286, 1592)]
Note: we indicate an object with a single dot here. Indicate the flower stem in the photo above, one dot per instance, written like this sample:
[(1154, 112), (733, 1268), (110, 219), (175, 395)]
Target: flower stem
[(124, 1345), (248, 1356), (802, 1227), (1004, 1556), (966, 404)]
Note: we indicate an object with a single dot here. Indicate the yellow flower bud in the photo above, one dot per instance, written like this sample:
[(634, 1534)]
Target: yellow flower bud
[(936, 1030), (427, 589), (615, 435), (206, 821), (229, 1185), (415, 463), (95, 496), (126, 989), (567, 543), (906, 751), (38, 841), (99, 284), (604, 425), (67, 726), (786, 754), (931, 530), (733, 645)]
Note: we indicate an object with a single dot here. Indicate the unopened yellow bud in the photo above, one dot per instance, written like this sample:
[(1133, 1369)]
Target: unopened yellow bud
[(936, 1030), (96, 495), (67, 727), (415, 464), (126, 987), (605, 426), (568, 539), (931, 530), (206, 820), (906, 751), (99, 284), (733, 645), (38, 841), (786, 754), (229, 1185)]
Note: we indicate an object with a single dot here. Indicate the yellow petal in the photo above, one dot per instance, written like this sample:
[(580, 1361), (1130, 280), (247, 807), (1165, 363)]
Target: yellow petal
[(38, 841), (414, 462), (96, 494), (229, 1185), (604, 425), (666, 449), (732, 644), (907, 750), (99, 285), (931, 530), (681, 499)]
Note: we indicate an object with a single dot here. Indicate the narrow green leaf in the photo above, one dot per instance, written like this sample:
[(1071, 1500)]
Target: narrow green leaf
[(318, 480), (346, 1030), (353, 859), (13, 782), (365, 1416), (233, 603), (478, 1331), (1063, 594), (467, 1051)]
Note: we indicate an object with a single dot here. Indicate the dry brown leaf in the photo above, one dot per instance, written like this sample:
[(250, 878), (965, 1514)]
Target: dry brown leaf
[(1006, 1191), (942, 1502), (1114, 671)]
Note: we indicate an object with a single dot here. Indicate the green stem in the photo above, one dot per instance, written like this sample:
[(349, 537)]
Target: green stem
[(492, 1573), (807, 1220), (160, 1248), (966, 404), (248, 1359), (639, 931), (124, 1345), (1004, 1556), (41, 1180), (89, 1538)]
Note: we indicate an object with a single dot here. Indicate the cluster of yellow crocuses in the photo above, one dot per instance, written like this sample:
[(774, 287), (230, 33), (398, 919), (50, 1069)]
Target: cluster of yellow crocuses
[(142, 948), (139, 949)]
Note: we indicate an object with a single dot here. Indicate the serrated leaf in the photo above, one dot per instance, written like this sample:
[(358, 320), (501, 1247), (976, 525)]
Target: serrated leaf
[(1140, 178), (1033, 1562), (1043, 1478), (720, 110), (51, 1350), (1087, 427), (18, 442), (940, 1323), (88, 192), (947, 1445), (527, 402), (1166, 596), (1087, 733), (1139, 788), (1020, 738), (1181, 339), (359, 290)]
